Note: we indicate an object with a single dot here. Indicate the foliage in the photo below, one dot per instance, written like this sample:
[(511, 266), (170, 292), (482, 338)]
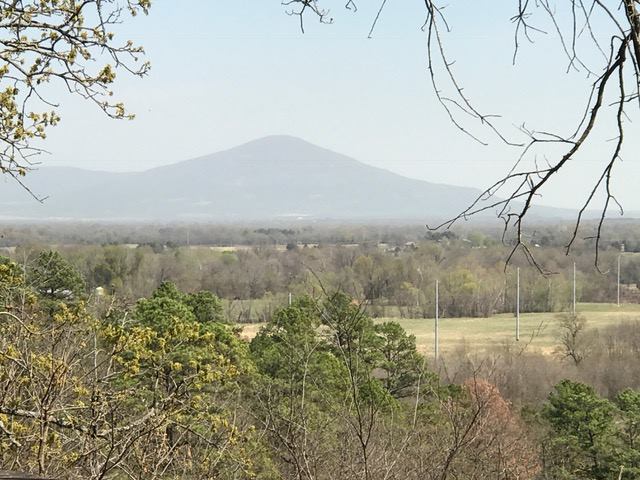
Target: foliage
[(205, 306), (70, 43), (139, 393), (400, 361), (13, 291), (55, 278), (628, 403), (582, 443), (299, 391)]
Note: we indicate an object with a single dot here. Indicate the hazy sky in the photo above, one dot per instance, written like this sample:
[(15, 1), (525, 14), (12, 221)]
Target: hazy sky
[(228, 71)]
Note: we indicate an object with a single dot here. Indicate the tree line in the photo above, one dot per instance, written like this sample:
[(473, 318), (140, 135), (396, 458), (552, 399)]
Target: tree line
[(394, 280), (158, 236)]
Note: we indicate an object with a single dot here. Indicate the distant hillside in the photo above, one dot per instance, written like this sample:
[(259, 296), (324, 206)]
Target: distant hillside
[(275, 177)]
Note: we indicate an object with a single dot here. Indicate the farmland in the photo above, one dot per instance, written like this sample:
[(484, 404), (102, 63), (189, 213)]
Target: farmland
[(539, 331)]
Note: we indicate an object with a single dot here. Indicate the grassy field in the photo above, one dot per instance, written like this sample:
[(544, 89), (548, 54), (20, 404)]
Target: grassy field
[(483, 333)]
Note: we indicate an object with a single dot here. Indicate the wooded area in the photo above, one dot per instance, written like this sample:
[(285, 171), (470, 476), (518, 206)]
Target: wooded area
[(390, 269), (150, 378), (165, 388)]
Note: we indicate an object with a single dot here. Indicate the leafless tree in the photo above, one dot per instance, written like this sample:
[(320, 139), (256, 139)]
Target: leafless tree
[(574, 343), (610, 30)]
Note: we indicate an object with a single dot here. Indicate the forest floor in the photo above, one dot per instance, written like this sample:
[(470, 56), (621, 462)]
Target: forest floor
[(538, 331)]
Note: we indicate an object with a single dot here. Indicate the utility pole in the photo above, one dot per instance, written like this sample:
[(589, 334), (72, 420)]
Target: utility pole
[(518, 304), (437, 326), (574, 288), (419, 288), (619, 279)]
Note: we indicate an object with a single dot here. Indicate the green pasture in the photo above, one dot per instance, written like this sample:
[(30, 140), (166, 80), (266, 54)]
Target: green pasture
[(539, 331)]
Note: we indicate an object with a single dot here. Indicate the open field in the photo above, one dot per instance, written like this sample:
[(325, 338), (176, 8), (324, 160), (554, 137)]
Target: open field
[(481, 334), (484, 333)]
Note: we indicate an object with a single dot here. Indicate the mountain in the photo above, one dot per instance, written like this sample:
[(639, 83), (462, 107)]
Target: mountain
[(276, 177)]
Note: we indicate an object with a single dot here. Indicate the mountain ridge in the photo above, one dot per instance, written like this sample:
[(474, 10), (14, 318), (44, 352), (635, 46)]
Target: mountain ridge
[(269, 178)]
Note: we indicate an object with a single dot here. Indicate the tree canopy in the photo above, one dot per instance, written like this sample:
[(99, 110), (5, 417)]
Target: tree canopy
[(65, 44)]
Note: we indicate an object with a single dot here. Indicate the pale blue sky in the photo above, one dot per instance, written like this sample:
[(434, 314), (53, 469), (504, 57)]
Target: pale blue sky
[(229, 71)]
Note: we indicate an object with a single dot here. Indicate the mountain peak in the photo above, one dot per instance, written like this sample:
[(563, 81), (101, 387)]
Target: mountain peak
[(271, 139), (279, 143)]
